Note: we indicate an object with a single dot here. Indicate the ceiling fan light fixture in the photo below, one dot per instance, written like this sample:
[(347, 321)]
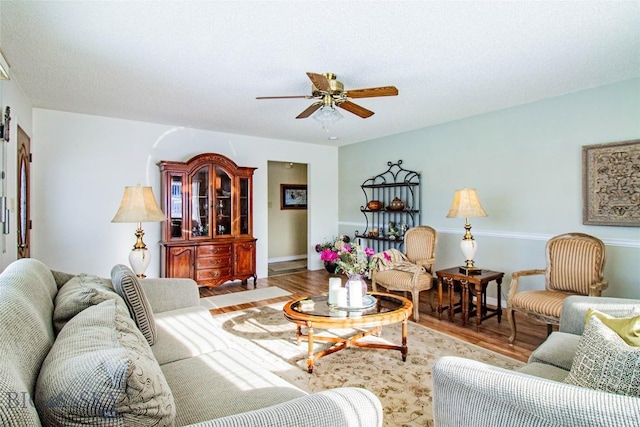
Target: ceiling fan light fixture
[(327, 116)]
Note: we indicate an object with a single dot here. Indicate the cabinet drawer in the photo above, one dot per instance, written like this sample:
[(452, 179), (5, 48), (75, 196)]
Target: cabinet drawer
[(213, 262), (209, 250), (209, 274)]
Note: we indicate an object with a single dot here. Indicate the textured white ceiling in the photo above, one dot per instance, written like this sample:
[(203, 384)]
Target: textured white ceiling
[(201, 64)]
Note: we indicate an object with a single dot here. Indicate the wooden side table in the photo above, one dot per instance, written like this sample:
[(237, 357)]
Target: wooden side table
[(474, 283)]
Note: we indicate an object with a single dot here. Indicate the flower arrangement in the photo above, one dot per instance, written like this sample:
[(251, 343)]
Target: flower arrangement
[(350, 257), (335, 245)]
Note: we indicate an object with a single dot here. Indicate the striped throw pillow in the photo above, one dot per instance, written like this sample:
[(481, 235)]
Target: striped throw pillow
[(128, 287)]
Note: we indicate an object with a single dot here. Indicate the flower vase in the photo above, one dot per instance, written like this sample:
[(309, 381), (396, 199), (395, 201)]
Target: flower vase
[(358, 281), (330, 267)]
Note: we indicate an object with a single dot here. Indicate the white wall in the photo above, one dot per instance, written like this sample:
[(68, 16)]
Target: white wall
[(82, 164), (287, 227), (526, 164)]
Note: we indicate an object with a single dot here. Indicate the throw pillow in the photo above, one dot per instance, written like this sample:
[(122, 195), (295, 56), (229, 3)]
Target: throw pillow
[(627, 327), (78, 293), (603, 361), (101, 371), (61, 277), (128, 287)]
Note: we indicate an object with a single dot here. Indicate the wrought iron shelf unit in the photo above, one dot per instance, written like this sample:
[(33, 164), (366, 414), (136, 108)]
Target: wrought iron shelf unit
[(385, 227)]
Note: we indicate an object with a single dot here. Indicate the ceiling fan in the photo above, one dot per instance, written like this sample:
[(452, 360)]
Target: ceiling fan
[(330, 92)]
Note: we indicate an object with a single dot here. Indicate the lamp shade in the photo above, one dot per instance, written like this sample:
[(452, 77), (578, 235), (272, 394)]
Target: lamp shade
[(466, 205), (138, 205)]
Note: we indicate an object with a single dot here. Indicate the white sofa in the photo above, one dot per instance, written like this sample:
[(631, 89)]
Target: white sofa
[(470, 393), (70, 353)]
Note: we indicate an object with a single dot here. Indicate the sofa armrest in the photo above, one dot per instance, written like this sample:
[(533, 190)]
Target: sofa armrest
[(501, 397), (340, 407), (171, 294), (574, 310)]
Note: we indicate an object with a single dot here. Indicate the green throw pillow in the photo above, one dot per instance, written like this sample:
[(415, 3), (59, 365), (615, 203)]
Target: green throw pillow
[(603, 361), (627, 327)]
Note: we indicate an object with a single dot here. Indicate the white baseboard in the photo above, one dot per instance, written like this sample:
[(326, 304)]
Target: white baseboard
[(287, 258)]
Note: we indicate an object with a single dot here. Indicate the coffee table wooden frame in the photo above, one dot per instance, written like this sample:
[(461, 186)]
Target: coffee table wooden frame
[(372, 322)]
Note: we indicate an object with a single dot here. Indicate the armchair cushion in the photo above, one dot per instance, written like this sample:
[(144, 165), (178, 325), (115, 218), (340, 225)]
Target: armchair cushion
[(605, 362), (628, 328), (547, 303)]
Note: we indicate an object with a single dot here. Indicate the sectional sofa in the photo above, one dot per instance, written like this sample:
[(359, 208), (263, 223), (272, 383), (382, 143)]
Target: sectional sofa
[(86, 350)]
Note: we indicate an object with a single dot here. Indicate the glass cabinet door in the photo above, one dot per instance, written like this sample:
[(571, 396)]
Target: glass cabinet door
[(223, 205), (176, 213), (200, 203), (244, 206)]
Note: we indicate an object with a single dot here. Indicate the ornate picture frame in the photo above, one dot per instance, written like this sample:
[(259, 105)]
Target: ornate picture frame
[(293, 196), (611, 184)]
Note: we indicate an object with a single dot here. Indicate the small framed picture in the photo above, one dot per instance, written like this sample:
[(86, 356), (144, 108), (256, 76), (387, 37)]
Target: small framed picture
[(293, 196)]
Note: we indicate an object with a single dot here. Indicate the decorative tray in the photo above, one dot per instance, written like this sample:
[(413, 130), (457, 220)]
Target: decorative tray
[(368, 301)]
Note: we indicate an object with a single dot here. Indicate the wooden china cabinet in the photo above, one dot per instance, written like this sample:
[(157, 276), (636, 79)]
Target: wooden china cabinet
[(208, 234)]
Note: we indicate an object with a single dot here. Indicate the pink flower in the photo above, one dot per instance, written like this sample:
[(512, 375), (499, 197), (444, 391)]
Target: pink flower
[(369, 252), (328, 255), (347, 248)]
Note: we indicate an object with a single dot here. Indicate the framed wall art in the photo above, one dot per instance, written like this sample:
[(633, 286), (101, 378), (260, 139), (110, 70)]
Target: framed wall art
[(293, 196), (611, 184)]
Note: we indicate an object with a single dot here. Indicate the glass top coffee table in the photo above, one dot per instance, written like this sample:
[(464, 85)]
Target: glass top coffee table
[(385, 309)]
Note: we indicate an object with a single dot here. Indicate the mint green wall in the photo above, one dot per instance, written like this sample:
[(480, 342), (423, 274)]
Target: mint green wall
[(526, 164)]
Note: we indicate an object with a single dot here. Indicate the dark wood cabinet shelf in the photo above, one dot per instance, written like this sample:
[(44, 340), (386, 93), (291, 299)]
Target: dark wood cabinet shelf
[(208, 235), (385, 227)]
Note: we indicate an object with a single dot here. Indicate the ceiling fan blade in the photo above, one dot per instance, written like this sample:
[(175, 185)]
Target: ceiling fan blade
[(285, 97), (310, 110), (372, 92), (320, 82), (355, 109)]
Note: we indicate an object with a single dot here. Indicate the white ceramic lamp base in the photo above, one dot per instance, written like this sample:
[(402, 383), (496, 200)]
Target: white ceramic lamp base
[(469, 247), (139, 260)]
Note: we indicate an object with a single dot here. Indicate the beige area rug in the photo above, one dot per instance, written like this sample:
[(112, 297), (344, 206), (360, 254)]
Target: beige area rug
[(403, 387), (236, 298)]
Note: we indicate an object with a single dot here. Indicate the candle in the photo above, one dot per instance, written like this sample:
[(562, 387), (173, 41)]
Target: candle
[(341, 297), (335, 283), (355, 294)]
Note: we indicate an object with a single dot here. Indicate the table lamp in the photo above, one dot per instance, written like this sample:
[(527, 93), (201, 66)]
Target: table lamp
[(467, 205), (139, 205)]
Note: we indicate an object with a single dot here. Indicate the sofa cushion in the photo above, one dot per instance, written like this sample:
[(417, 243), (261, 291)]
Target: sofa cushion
[(128, 287), (544, 370), (605, 362), (558, 349), (78, 293), (227, 382), (27, 291), (101, 371), (628, 328), (185, 333)]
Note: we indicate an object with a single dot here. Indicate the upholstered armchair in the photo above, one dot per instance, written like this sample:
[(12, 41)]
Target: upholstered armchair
[(575, 265), (411, 271)]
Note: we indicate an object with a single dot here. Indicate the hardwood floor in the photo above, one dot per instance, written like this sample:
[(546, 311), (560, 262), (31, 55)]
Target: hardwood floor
[(492, 335)]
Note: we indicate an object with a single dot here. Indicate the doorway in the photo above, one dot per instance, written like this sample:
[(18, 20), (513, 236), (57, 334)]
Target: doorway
[(23, 193), (287, 227)]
